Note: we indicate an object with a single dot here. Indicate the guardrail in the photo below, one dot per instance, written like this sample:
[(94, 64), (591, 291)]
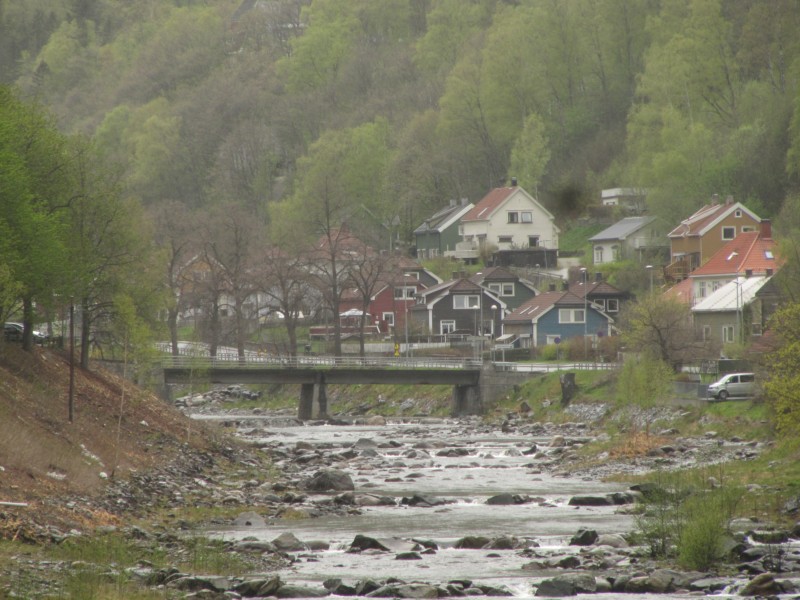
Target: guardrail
[(546, 367), (310, 362)]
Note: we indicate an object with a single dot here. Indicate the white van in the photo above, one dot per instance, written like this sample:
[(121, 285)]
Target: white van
[(733, 385)]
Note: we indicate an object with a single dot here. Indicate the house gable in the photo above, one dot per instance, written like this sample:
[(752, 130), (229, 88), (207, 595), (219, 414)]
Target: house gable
[(510, 218)]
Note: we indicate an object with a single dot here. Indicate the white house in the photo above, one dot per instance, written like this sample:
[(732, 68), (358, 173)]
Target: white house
[(506, 218), (627, 238)]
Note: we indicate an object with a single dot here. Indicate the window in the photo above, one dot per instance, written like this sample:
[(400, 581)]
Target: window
[(598, 254), (701, 289), (601, 303), (571, 315), (461, 230), (551, 339), (405, 292), (513, 216), (706, 333), (615, 252), (389, 318), (414, 274), (612, 305), (728, 233), (526, 217), (466, 301), (505, 239), (737, 213), (502, 289), (748, 228), (727, 334), (533, 241), (446, 327)]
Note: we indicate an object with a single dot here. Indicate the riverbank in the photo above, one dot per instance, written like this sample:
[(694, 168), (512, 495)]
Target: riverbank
[(136, 536)]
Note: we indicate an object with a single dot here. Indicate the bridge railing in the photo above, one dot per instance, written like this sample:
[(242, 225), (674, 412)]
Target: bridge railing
[(310, 362)]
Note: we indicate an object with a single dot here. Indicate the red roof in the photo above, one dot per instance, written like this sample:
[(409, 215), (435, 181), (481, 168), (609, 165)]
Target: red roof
[(748, 251), (490, 202), (681, 292), (696, 224)]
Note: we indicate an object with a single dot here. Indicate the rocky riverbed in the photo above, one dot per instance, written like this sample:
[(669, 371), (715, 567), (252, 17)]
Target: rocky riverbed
[(425, 507)]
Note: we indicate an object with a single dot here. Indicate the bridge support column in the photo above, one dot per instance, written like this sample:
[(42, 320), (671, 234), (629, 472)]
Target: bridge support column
[(306, 409), (466, 400), (313, 400)]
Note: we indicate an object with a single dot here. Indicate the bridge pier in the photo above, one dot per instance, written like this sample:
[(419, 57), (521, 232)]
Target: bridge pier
[(466, 400), (313, 400)]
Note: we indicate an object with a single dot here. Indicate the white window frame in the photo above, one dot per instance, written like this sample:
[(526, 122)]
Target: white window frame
[(612, 305), (737, 213), (526, 217), (571, 315), (728, 232), (701, 289), (601, 303), (505, 239), (513, 217), (551, 339), (598, 255), (533, 241), (502, 289), (389, 318), (447, 326), (404, 292), (728, 334), (706, 332), (466, 301), (615, 252)]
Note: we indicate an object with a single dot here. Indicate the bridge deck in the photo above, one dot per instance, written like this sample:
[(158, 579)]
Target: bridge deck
[(331, 370)]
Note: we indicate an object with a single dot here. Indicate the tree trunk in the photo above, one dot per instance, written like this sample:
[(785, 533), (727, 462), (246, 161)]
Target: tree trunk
[(172, 323), (27, 323), (86, 328)]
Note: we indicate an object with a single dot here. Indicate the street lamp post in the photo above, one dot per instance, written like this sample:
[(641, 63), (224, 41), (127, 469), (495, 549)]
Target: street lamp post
[(585, 313), (650, 268)]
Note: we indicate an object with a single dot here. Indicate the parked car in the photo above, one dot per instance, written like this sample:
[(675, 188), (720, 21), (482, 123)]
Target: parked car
[(13, 333), (733, 385)]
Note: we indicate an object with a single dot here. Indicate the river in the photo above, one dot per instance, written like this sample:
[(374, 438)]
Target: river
[(403, 460)]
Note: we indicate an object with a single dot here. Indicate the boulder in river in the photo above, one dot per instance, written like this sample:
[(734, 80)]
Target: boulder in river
[(584, 537), (570, 584), (329, 480)]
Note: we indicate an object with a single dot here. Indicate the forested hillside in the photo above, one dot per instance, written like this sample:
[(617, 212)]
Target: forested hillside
[(398, 106)]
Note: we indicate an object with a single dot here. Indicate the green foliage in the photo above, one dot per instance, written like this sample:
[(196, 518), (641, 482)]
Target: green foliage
[(644, 381), (782, 386), (685, 515)]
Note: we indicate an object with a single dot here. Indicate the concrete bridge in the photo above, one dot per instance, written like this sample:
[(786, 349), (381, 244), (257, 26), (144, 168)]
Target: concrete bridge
[(471, 379)]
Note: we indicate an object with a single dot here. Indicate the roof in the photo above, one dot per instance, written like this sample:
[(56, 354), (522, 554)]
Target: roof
[(622, 229), (493, 274), (484, 209), (595, 288), (538, 305), (732, 296), (748, 251), (705, 218), (681, 291), (444, 218)]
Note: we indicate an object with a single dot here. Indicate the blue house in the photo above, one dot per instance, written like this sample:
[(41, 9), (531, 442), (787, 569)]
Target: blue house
[(553, 317)]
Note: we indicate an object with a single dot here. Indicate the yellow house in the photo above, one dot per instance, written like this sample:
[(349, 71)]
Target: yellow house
[(697, 238)]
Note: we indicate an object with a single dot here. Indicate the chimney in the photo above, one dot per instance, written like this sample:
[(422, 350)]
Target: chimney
[(551, 287), (513, 182), (598, 277), (452, 202), (464, 201), (728, 200), (769, 273), (748, 273), (766, 229), (715, 199)]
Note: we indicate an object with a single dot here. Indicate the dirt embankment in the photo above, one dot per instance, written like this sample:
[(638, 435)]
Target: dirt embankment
[(117, 430)]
